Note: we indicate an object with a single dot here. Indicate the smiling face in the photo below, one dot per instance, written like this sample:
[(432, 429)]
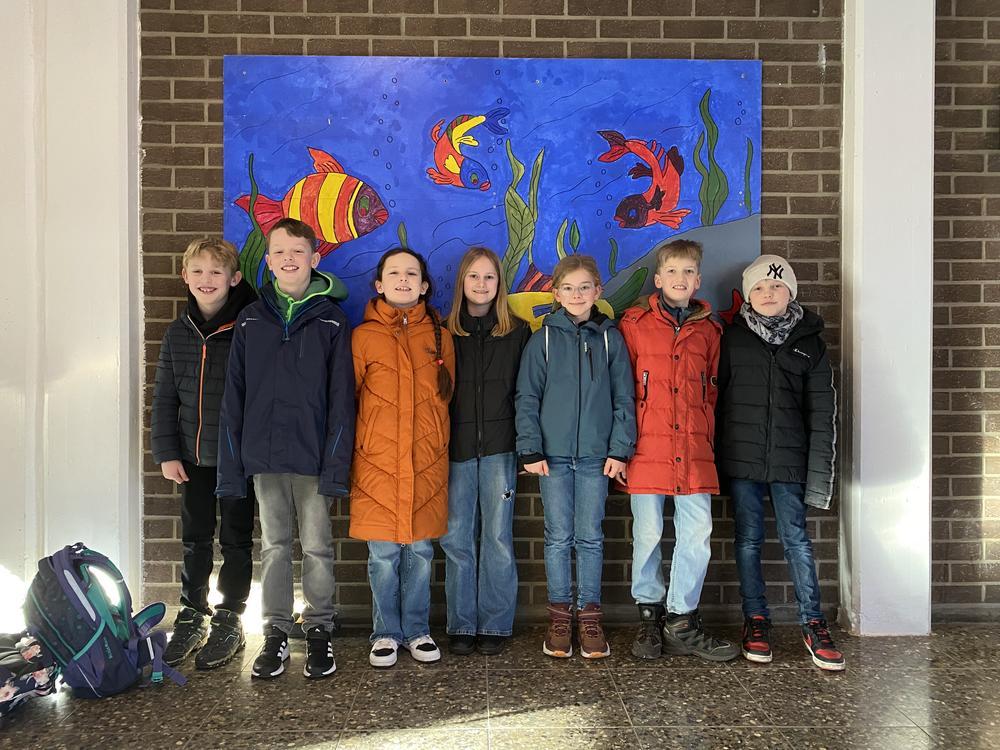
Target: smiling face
[(209, 281), (480, 286), (291, 260), (678, 279), (577, 291), (769, 297), (401, 282)]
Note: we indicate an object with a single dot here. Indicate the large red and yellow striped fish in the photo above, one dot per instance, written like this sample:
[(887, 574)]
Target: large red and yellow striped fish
[(338, 206)]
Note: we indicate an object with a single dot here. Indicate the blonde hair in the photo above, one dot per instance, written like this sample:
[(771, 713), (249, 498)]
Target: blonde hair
[(505, 319), (222, 252), (568, 265), (679, 249)]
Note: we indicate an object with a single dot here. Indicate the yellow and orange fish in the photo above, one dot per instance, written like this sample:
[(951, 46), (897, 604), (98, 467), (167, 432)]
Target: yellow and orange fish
[(338, 206)]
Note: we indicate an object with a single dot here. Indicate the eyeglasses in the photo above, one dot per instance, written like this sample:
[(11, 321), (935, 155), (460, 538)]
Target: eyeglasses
[(583, 290)]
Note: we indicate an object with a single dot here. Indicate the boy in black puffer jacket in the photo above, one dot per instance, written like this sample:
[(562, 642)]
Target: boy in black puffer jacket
[(776, 422), (190, 378)]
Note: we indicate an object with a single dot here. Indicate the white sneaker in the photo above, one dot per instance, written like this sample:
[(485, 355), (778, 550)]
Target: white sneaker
[(383, 653), (423, 649)]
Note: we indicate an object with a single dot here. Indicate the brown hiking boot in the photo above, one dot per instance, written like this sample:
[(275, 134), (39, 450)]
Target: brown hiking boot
[(559, 636), (593, 644)]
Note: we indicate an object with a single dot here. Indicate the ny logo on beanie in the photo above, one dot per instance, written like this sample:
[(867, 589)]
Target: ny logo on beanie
[(775, 271)]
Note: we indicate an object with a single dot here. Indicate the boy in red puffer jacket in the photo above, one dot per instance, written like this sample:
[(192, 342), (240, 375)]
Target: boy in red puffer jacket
[(674, 347)]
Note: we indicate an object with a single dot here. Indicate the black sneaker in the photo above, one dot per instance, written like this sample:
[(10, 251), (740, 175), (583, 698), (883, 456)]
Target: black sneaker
[(273, 654), (190, 634), (491, 645), (757, 639), (224, 642), (684, 634), (648, 641), (822, 649), (461, 644), (319, 654)]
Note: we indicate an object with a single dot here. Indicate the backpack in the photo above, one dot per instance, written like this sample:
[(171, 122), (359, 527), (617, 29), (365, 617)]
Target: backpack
[(99, 646)]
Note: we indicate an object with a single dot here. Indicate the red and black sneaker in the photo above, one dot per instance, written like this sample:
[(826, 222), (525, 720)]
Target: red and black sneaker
[(823, 650), (757, 639)]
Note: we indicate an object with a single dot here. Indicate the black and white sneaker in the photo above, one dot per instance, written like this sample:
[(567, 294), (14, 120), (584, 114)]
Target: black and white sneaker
[(423, 649), (273, 655), (383, 653), (319, 654)]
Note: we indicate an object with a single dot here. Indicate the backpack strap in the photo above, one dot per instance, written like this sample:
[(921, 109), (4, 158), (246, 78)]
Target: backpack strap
[(607, 349), (546, 342), (152, 644)]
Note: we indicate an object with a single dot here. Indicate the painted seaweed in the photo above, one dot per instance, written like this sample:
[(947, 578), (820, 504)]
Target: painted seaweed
[(255, 246), (714, 185), (747, 201), (521, 216)]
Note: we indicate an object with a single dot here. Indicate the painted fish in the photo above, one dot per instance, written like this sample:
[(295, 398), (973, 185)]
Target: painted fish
[(659, 203), (451, 166), (337, 206)]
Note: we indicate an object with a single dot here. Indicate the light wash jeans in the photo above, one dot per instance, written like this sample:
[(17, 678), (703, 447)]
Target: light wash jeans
[(400, 577), (573, 497), (281, 498), (692, 550), (480, 570), (790, 513)]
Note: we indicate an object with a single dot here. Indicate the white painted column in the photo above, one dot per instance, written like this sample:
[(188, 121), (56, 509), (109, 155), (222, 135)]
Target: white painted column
[(888, 252), (72, 312)]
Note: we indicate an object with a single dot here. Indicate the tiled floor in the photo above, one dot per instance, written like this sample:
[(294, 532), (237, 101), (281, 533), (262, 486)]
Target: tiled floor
[(941, 691)]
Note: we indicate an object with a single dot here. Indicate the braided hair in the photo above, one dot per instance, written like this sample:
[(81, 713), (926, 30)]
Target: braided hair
[(443, 376)]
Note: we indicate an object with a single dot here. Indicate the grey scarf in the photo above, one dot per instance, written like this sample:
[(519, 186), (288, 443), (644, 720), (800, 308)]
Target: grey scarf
[(774, 329)]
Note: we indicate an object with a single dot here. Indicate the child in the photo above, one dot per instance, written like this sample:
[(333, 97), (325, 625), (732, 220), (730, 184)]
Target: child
[(777, 412), (288, 420), (575, 429), (404, 367), (482, 474), (673, 344), (190, 377)]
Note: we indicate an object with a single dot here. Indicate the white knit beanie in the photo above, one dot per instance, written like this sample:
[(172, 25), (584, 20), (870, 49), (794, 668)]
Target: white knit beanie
[(769, 267)]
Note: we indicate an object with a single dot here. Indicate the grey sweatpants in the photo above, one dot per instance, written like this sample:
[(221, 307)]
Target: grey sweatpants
[(281, 498)]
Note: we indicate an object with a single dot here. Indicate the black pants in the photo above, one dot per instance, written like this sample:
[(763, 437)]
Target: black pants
[(198, 509)]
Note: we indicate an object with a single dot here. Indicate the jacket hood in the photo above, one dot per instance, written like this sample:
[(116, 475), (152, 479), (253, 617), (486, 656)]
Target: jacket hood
[(239, 297), (320, 286), (651, 306), (561, 319), (379, 311)]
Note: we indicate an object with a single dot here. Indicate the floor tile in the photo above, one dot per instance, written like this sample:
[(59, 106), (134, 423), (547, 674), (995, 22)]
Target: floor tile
[(565, 738), (65, 739), (551, 698), (352, 653), (711, 738), (939, 697), (419, 699), (687, 697), (215, 740), (524, 651), (858, 738), (966, 738), (969, 646), (622, 658), (416, 739)]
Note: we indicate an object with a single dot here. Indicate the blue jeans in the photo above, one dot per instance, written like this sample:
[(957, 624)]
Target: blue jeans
[(692, 550), (573, 497), (400, 577), (480, 540), (790, 512)]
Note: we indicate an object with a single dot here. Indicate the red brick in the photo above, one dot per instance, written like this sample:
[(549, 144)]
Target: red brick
[(532, 49), (337, 46), (613, 8), (383, 7), (256, 45), (566, 28), (337, 6), (449, 27), (469, 48), (311, 25), (370, 26), (790, 8), (481, 7), (757, 29), (725, 8), (272, 6), (637, 29), (534, 7), (403, 47), (974, 8), (184, 22)]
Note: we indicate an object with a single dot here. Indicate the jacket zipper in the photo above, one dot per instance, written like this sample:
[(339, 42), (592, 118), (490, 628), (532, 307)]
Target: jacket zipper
[(399, 425), (767, 448), (579, 389), (589, 351), (480, 376), (645, 385), (201, 382), (704, 388)]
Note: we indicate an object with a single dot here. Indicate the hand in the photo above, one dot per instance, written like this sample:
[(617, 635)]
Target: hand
[(615, 469), (539, 467), (174, 470)]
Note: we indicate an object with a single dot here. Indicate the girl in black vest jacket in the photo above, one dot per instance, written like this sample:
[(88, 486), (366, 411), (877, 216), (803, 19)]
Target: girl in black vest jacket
[(777, 435), (483, 466)]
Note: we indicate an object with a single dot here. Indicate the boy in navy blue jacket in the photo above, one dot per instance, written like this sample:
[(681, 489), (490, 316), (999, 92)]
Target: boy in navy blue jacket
[(288, 421)]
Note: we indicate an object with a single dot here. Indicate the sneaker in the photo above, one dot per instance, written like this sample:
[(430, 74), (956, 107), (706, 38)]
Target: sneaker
[(190, 634), (757, 639), (383, 653), (273, 654), (593, 644), (461, 644), (424, 649), (224, 642), (491, 645), (648, 641), (684, 635), (559, 637), (319, 653), (822, 649)]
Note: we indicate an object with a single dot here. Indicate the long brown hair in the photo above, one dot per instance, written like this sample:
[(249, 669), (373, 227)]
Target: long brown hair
[(505, 320), (568, 265), (443, 376)]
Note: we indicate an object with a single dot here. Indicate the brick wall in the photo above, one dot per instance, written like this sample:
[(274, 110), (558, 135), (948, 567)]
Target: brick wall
[(181, 90), (966, 488)]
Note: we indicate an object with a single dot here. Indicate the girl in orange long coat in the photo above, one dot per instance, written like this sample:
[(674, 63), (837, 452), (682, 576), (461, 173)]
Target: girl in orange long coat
[(404, 367)]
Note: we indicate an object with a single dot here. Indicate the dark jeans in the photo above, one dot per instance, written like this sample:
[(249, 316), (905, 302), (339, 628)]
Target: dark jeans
[(198, 511), (790, 513)]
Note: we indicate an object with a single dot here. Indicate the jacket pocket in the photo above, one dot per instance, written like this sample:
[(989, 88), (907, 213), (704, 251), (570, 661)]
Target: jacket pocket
[(369, 431)]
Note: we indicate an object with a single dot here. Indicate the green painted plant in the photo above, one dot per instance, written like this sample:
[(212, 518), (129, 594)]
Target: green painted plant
[(401, 233), (747, 202), (574, 238), (255, 246), (613, 258), (626, 295), (714, 185), (521, 216)]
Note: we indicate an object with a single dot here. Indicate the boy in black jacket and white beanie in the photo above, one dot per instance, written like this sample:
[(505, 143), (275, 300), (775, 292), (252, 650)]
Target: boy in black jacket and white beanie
[(777, 433)]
